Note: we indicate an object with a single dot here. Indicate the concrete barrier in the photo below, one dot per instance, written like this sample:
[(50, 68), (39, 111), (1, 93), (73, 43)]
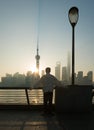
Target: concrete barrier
[(77, 98)]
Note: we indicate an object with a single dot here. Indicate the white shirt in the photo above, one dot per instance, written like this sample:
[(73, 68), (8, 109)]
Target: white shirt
[(48, 82)]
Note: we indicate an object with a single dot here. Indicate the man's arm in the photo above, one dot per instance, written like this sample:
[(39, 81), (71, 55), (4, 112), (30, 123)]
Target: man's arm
[(57, 83)]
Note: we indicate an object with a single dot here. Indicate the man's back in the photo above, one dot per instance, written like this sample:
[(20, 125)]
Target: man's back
[(48, 82)]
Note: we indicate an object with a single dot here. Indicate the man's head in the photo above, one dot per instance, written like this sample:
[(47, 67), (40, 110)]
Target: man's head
[(48, 70)]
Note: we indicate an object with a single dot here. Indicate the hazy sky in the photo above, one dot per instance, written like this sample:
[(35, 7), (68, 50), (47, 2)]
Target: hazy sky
[(22, 21)]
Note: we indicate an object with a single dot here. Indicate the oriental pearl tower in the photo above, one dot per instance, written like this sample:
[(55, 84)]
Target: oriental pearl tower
[(37, 57)]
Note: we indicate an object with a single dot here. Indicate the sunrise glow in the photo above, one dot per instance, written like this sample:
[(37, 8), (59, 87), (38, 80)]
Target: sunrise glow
[(33, 69)]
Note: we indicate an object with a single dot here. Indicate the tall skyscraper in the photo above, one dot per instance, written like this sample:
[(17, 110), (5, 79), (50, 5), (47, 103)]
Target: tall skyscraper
[(37, 57), (57, 70), (64, 73)]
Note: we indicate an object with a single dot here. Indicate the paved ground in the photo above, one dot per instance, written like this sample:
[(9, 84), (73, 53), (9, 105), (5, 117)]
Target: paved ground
[(34, 120)]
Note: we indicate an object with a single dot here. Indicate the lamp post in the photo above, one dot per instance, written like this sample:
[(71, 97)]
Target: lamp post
[(73, 18)]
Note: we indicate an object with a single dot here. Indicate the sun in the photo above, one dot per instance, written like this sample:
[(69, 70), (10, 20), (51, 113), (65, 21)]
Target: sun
[(33, 69)]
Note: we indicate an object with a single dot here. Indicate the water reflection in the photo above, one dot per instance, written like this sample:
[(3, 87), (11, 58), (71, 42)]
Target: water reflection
[(19, 96)]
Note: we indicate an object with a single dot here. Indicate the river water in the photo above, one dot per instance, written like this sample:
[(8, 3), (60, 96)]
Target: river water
[(19, 96)]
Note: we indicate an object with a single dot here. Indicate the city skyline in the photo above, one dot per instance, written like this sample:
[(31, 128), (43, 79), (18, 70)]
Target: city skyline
[(24, 22), (59, 71), (29, 79)]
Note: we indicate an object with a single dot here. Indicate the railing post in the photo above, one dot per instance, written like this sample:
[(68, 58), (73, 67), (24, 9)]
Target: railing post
[(26, 91)]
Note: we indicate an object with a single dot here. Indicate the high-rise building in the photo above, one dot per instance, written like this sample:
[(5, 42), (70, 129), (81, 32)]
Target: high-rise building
[(80, 75), (57, 70), (90, 76), (79, 79), (37, 57), (42, 72), (64, 74)]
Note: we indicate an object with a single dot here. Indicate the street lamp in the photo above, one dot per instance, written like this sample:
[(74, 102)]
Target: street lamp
[(73, 18)]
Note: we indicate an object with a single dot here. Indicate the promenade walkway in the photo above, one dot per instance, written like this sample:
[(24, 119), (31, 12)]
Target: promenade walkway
[(34, 120), (30, 117)]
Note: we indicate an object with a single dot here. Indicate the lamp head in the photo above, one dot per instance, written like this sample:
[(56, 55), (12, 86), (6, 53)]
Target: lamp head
[(73, 15)]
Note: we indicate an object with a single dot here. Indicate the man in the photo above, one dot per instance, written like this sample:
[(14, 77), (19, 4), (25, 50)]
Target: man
[(48, 82)]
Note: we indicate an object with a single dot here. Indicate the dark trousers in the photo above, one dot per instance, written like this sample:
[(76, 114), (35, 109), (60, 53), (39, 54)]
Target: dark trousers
[(48, 96)]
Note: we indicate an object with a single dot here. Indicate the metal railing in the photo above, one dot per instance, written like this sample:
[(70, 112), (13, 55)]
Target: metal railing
[(7, 92), (26, 95)]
